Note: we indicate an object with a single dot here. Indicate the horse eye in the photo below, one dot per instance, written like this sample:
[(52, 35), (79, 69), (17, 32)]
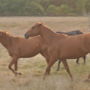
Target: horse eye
[(32, 27)]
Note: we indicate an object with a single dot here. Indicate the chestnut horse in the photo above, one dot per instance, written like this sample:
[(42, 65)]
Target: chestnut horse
[(73, 33), (68, 47), (19, 48)]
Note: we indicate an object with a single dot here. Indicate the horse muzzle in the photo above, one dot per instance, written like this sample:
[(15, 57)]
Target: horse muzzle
[(27, 36)]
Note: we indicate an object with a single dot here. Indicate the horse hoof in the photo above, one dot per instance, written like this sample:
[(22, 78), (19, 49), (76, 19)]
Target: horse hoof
[(57, 70), (87, 80), (18, 73)]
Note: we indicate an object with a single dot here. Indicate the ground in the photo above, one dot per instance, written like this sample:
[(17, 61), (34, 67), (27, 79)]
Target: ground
[(34, 68)]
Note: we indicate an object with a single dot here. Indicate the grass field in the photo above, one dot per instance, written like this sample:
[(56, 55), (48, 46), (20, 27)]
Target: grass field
[(34, 68)]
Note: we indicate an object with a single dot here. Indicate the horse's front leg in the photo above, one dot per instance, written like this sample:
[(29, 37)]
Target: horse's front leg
[(50, 63), (16, 67), (13, 62), (67, 68)]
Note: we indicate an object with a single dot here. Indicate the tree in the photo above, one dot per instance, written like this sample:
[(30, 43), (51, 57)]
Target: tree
[(65, 9), (51, 10), (88, 6), (44, 7), (34, 8), (81, 7)]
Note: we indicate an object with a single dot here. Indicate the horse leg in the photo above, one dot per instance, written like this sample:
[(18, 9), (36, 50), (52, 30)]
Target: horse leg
[(47, 61), (51, 62), (67, 68), (58, 65), (84, 59), (10, 66), (11, 63), (16, 67), (77, 61)]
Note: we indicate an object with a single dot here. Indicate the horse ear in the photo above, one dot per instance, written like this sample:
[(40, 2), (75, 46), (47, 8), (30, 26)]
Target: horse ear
[(40, 23), (7, 32)]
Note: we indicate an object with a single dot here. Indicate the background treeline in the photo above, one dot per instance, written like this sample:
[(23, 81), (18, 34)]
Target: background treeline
[(44, 7)]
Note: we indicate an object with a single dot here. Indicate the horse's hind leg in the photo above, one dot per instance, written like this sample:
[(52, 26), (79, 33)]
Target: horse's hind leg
[(84, 58), (67, 68), (58, 65), (77, 61)]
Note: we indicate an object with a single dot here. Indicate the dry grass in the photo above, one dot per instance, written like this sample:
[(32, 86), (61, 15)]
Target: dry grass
[(33, 68)]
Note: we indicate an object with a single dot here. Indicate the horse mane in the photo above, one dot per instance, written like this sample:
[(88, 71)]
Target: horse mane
[(48, 32), (52, 32), (45, 27), (39, 23), (5, 33)]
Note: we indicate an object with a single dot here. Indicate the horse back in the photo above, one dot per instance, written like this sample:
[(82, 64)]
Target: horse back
[(73, 47)]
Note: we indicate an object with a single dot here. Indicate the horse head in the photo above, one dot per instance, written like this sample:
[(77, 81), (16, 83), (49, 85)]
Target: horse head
[(34, 30)]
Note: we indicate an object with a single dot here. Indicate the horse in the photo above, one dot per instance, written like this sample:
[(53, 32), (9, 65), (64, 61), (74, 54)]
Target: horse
[(75, 32), (19, 47), (68, 47)]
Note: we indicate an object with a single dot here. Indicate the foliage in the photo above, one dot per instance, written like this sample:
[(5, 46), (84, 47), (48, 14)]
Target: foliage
[(44, 7)]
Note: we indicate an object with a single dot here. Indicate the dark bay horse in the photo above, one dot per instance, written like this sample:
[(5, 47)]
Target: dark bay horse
[(72, 33), (68, 47), (75, 32)]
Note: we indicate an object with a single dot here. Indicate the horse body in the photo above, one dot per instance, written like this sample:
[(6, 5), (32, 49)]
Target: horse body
[(75, 45), (68, 47), (65, 47), (28, 48), (20, 48)]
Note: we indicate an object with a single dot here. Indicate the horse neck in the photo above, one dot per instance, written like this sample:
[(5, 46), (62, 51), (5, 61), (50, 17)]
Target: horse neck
[(47, 35), (6, 42)]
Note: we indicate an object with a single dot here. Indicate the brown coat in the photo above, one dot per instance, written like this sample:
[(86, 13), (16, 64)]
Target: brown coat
[(60, 46)]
